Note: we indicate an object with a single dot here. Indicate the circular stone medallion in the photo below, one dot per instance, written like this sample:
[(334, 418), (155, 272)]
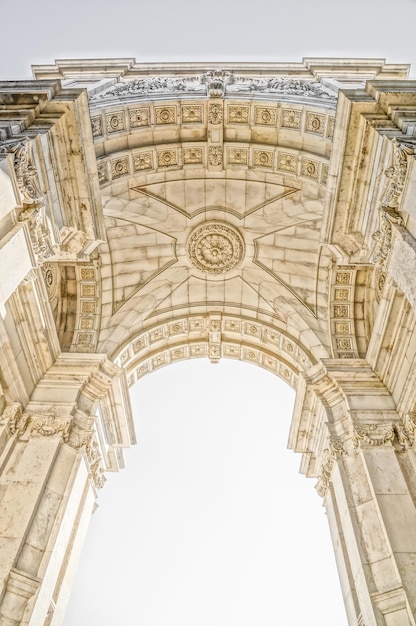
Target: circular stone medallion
[(215, 248)]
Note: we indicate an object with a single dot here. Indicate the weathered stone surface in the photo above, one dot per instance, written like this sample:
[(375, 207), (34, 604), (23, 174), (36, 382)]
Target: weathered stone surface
[(253, 213)]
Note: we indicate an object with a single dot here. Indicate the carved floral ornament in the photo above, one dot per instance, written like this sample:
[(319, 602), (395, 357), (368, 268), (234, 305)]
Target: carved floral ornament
[(217, 84), (215, 248)]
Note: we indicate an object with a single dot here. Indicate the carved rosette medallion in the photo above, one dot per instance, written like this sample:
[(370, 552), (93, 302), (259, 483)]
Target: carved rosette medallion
[(50, 275), (215, 248)]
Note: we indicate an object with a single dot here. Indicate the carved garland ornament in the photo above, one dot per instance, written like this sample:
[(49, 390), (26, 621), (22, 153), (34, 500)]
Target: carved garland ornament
[(215, 84), (215, 248)]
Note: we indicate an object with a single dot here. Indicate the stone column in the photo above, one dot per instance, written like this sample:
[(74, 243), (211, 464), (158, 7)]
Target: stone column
[(365, 463), (53, 458)]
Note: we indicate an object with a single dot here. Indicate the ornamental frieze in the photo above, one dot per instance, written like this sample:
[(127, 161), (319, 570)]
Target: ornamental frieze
[(218, 84)]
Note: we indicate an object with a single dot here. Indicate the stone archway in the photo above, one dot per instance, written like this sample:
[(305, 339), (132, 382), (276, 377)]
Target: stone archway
[(263, 213), (190, 447)]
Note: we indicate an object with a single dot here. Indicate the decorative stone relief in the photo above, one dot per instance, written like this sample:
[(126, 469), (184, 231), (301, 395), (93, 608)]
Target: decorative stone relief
[(197, 324), (372, 434), (380, 280), (103, 176), (210, 330), (178, 353), (176, 328), (237, 156), (87, 317), (215, 84), (330, 127), (157, 335), (315, 123), (139, 117), (284, 86), (16, 422), (50, 425), (263, 158), (151, 86), (192, 113), (406, 431), (238, 114), (291, 118), (119, 167), (79, 438), (343, 278), (215, 156), (34, 210), (94, 460), (167, 158), (324, 173), (165, 115), (214, 338), (192, 155), (310, 168), (140, 344), (215, 248), (215, 113), (265, 116), (25, 170), (50, 276), (324, 478), (402, 148), (124, 356), (160, 360), (396, 173), (97, 126), (383, 238), (142, 161), (342, 301), (341, 310), (115, 122), (40, 235), (336, 448), (287, 162)]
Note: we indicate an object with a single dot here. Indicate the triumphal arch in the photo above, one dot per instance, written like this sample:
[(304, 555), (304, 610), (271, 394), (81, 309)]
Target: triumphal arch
[(152, 213)]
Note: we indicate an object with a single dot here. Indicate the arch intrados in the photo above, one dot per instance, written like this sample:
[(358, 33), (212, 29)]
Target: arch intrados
[(215, 336)]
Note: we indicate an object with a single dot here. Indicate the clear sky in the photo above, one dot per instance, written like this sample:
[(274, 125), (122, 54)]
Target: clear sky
[(215, 532), (38, 31), (211, 524)]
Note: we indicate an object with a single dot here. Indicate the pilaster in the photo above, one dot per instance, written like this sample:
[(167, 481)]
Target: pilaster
[(364, 461), (53, 455)]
